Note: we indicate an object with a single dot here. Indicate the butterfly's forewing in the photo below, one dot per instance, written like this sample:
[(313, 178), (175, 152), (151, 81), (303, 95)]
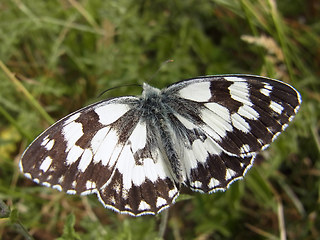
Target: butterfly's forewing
[(96, 150), (234, 117)]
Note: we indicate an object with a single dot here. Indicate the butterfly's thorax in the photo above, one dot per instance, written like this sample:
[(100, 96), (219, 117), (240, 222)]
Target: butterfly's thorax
[(151, 105), (154, 111)]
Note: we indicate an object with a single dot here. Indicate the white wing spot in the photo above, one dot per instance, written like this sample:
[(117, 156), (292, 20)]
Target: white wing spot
[(298, 107), (219, 124), (131, 173), (198, 154), (219, 110), (240, 123), (73, 155), (284, 126), (248, 112), (104, 144), (265, 92), (197, 184), (109, 113), (291, 118), (268, 86), (58, 187), (235, 79), (276, 107), (45, 141), (61, 179), (72, 133), (72, 118), (152, 169), (245, 148), (199, 92), (71, 191), (85, 160), (115, 155), (46, 184), (138, 175), (211, 132), (230, 174), (49, 145), (144, 206), (127, 206), (275, 136), (28, 175), (138, 137), (46, 164), (90, 185), (172, 192), (213, 183), (160, 202), (239, 91)]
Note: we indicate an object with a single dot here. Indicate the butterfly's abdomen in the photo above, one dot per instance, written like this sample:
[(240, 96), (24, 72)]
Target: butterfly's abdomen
[(154, 111)]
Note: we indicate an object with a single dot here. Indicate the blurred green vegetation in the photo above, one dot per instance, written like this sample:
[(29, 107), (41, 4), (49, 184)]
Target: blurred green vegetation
[(57, 56)]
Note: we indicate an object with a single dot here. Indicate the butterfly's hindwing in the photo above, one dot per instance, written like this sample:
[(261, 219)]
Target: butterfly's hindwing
[(135, 152)]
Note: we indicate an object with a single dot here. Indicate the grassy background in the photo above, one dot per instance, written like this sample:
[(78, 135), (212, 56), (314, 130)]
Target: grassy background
[(57, 56)]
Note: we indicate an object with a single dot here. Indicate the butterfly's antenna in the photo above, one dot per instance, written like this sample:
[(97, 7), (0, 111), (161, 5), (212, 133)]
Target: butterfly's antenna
[(126, 85), (161, 66)]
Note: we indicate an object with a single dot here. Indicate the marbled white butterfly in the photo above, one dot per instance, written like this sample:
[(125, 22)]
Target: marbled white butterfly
[(136, 152)]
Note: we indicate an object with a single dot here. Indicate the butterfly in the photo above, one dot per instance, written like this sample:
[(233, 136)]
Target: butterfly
[(135, 153)]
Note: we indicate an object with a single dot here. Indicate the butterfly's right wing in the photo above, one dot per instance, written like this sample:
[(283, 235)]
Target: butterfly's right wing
[(221, 122), (103, 149)]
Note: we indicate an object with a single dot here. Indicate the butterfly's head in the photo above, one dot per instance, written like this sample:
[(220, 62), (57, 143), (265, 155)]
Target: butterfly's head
[(149, 91)]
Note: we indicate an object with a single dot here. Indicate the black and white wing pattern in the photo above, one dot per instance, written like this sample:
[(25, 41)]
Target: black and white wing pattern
[(136, 152)]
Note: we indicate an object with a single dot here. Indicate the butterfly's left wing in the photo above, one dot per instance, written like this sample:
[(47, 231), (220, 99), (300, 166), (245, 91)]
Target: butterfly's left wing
[(220, 123), (98, 149)]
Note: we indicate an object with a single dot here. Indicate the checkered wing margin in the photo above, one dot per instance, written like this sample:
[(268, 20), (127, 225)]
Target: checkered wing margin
[(135, 152)]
